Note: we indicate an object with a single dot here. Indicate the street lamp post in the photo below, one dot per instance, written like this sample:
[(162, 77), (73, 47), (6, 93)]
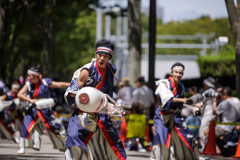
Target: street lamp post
[(152, 41)]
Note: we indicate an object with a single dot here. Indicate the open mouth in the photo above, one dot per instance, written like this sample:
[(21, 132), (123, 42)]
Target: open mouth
[(101, 63)]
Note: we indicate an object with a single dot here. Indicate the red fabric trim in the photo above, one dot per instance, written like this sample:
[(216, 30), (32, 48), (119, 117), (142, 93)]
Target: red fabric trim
[(175, 88), (183, 138), (99, 105), (44, 120), (164, 113), (35, 94), (21, 120), (80, 111), (6, 127), (88, 138), (14, 96), (102, 74), (31, 125), (99, 69), (168, 138), (106, 135)]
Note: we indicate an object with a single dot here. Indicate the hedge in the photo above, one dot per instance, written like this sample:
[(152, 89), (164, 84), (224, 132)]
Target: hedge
[(222, 64)]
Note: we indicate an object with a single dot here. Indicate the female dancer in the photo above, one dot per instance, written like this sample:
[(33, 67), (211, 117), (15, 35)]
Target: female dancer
[(35, 119)]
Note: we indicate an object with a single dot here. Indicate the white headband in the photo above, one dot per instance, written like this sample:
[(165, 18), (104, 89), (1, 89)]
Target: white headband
[(104, 50), (177, 68), (15, 86), (33, 73)]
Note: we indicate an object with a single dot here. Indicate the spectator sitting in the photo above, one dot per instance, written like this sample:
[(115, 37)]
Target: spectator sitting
[(192, 120), (136, 126), (144, 95), (126, 92), (229, 114)]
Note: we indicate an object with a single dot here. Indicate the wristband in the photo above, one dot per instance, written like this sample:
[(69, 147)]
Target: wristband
[(214, 103)]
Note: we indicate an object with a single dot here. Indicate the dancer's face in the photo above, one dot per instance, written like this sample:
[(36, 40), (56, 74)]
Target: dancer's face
[(177, 75), (102, 60), (33, 79)]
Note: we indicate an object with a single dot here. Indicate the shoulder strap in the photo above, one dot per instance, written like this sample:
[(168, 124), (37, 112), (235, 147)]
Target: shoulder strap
[(29, 86)]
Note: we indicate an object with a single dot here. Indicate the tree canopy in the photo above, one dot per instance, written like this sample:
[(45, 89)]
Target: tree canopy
[(26, 25)]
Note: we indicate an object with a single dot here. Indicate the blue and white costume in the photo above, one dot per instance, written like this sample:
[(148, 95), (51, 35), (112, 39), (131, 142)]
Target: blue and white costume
[(172, 139), (16, 114), (7, 129), (37, 119), (92, 135)]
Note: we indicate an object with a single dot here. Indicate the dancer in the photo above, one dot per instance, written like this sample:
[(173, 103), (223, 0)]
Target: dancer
[(91, 135), (172, 139), (35, 119), (7, 130), (14, 110)]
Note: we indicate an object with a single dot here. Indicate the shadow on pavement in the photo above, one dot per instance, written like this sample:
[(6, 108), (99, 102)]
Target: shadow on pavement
[(21, 157)]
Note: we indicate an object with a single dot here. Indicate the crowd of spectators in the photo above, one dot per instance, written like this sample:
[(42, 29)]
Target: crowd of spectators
[(218, 105)]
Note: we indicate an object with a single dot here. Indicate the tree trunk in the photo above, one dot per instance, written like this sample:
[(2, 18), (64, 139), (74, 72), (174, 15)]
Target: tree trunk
[(48, 43), (2, 16), (134, 39), (234, 18)]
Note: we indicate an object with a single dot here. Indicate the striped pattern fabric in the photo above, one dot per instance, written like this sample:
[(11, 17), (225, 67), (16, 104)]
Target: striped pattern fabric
[(34, 142), (102, 151), (105, 50), (177, 150)]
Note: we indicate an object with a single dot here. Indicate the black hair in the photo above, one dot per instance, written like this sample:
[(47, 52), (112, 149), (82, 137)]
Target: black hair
[(178, 64), (167, 75), (137, 107), (36, 68), (227, 90), (105, 42), (15, 81)]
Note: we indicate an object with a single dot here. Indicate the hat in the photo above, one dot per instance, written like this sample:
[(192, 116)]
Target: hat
[(125, 81), (120, 84), (141, 80), (210, 82)]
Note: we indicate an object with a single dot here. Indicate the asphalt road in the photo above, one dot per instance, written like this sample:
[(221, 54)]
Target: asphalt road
[(8, 151)]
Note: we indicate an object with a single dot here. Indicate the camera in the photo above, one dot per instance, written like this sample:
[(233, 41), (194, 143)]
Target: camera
[(195, 99), (213, 94), (198, 113)]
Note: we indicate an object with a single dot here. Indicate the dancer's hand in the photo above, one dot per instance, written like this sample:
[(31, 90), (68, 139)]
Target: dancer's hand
[(184, 100), (33, 100)]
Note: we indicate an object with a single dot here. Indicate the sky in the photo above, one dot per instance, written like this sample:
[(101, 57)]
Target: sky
[(184, 9), (190, 9)]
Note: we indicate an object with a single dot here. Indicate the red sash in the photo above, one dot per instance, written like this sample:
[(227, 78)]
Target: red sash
[(14, 96), (102, 74), (35, 94), (175, 88)]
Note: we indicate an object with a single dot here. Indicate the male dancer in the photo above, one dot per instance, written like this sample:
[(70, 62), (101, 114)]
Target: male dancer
[(172, 139), (91, 135)]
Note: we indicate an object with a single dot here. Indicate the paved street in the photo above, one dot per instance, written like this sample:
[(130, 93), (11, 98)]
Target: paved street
[(8, 151)]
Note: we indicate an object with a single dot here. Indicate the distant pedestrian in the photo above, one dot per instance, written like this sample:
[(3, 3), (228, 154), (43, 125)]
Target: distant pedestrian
[(144, 95), (126, 92)]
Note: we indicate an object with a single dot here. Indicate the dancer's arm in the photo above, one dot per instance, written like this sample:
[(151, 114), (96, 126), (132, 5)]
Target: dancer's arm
[(23, 97), (83, 76), (55, 84)]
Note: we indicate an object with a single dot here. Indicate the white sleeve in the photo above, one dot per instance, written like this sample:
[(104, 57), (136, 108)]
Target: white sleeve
[(164, 92)]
